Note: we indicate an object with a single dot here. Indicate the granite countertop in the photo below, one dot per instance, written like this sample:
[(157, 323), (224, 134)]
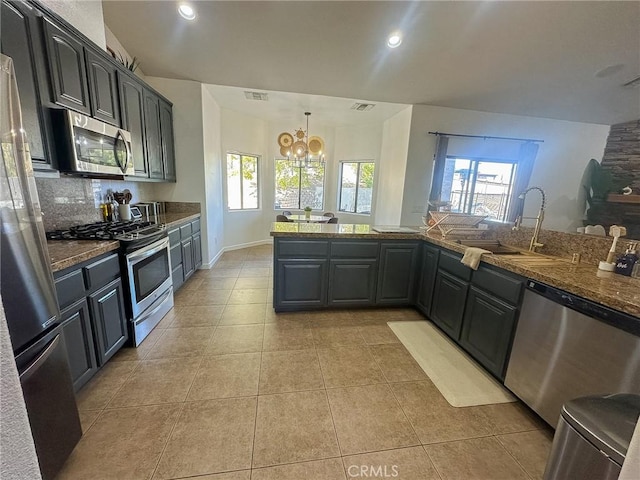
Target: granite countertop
[(67, 253), (585, 280)]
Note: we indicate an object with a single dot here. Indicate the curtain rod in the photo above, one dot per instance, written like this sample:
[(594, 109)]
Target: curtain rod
[(485, 137)]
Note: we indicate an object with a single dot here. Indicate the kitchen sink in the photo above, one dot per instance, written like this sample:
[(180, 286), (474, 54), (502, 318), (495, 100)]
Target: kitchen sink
[(493, 246)]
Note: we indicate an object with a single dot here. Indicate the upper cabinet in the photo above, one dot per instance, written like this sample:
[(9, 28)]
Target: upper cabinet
[(103, 88), (69, 87), (21, 40), (58, 67)]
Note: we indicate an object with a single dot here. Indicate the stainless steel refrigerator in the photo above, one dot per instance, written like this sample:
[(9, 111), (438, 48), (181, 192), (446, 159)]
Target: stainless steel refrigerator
[(28, 293)]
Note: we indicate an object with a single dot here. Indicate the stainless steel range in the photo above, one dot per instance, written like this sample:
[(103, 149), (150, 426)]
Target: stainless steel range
[(145, 264)]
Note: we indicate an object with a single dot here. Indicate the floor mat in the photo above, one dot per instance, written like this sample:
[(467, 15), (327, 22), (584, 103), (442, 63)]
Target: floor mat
[(459, 378)]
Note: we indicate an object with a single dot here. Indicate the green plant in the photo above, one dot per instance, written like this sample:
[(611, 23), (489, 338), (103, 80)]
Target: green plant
[(307, 209), (130, 65)]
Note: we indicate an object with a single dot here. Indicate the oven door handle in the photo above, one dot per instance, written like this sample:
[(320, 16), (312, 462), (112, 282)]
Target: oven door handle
[(158, 307), (144, 253)]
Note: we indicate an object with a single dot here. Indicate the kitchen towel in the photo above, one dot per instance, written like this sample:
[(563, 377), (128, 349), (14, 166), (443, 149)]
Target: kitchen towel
[(472, 257)]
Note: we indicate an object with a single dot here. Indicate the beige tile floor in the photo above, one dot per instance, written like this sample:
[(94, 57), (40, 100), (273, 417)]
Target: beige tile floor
[(225, 389)]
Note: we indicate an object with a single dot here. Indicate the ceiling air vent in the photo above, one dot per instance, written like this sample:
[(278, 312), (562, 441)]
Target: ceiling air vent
[(260, 96), (362, 107)]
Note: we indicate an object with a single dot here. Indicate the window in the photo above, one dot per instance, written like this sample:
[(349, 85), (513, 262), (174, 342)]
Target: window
[(242, 182), (356, 186), (298, 186), (478, 186)]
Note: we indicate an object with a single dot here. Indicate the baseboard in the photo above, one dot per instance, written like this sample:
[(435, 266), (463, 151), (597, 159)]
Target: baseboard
[(235, 247)]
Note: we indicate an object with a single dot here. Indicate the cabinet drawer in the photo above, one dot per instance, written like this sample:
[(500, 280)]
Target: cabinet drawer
[(174, 237), (354, 250), (185, 231), (70, 288), (450, 262), (102, 272), (500, 284), (195, 226), (302, 248)]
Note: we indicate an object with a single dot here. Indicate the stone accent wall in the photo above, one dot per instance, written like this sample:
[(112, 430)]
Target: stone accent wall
[(622, 158)]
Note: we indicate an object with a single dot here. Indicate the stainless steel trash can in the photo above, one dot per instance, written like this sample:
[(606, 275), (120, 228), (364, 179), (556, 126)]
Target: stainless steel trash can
[(593, 437)]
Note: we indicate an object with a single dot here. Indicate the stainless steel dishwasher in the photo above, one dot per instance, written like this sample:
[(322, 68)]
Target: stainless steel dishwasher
[(567, 347)]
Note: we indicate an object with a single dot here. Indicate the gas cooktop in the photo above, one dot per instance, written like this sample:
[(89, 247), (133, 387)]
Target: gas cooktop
[(123, 231)]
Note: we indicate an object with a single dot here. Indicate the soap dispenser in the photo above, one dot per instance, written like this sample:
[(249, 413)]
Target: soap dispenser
[(625, 263)]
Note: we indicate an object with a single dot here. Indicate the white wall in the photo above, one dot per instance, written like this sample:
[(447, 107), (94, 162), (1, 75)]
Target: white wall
[(212, 146), (391, 171), (85, 15), (567, 148), (352, 143), (245, 134)]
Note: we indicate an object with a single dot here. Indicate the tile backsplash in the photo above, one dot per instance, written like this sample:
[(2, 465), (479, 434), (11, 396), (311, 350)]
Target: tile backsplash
[(68, 201)]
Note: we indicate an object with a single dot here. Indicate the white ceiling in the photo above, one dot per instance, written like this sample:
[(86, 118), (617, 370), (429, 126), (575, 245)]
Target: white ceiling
[(526, 58)]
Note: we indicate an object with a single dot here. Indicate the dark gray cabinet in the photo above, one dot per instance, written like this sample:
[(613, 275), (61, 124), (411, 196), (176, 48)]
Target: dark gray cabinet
[(103, 88), (22, 42), (487, 330), (67, 67), (93, 316), (132, 110), (449, 296), (396, 276), (78, 337), (109, 319), (152, 135), (301, 283), (428, 271), (352, 282), (185, 249), (168, 151)]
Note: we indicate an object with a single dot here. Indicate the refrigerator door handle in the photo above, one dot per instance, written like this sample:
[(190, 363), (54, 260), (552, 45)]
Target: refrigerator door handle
[(40, 359)]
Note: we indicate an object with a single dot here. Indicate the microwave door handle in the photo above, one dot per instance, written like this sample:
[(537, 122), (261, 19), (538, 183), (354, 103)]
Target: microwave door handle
[(123, 166)]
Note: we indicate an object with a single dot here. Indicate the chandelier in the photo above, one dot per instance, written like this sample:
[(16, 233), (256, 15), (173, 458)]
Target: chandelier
[(305, 150)]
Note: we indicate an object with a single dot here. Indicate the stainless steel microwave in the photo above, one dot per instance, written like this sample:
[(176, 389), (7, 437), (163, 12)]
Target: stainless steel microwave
[(93, 147)]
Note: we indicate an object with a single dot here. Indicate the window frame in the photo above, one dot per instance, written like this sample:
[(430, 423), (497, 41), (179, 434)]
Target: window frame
[(299, 167), (258, 181), (473, 169), (355, 204)]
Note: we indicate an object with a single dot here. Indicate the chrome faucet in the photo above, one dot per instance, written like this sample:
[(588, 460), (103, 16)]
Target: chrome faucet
[(536, 231)]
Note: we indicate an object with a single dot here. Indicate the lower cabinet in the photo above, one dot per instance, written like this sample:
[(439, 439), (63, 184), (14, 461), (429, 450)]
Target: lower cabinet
[(352, 282), (301, 283), (185, 242), (78, 338), (109, 318), (487, 330), (396, 279), (428, 271), (449, 296)]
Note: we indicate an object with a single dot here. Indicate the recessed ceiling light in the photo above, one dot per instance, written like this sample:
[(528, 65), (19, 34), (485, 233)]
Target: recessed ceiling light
[(186, 11), (394, 40)]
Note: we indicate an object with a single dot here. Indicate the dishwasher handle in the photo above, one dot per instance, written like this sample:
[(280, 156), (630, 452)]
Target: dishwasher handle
[(618, 319)]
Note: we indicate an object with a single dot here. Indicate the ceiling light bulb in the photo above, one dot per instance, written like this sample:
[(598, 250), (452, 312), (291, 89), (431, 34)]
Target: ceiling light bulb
[(394, 40), (186, 11)]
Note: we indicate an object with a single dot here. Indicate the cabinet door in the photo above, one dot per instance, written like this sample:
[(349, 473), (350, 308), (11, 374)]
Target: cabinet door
[(352, 282), (428, 271), (68, 69), (78, 338), (187, 258), (166, 131), (449, 296), (397, 273), (152, 135), (103, 89), (109, 320), (487, 330), (300, 284), (20, 42), (132, 109), (197, 250)]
